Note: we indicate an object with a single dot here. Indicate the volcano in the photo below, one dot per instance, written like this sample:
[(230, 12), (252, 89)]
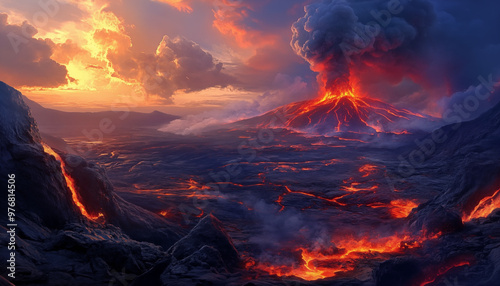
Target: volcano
[(340, 111)]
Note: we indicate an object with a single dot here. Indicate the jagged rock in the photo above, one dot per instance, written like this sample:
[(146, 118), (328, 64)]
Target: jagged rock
[(494, 257), (40, 188), (208, 232), (398, 272), (437, 220), (205, 254), (56, 245)]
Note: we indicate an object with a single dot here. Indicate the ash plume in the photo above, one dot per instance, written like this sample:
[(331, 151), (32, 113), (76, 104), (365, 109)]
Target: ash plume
[(333, 38), (435, 44)]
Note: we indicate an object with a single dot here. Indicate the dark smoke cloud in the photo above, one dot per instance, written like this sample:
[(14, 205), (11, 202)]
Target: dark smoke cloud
[(440, 45), (25, 60)]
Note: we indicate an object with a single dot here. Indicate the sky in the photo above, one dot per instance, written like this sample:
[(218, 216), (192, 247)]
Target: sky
[(244, 57)]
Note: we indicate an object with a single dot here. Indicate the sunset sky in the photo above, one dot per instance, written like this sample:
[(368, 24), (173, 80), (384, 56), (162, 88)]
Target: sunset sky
[(189, 56)]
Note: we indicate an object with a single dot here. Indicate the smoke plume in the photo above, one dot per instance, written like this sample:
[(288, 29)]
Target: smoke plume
[(435, 44)]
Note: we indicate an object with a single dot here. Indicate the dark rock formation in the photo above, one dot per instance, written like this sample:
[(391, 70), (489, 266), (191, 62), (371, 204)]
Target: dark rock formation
[(206, 256), (55, 244), (40, 188), (98, 195)]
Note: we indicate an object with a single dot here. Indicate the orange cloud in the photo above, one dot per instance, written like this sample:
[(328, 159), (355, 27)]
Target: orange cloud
[(181, 5), (25, 60), (229, 17)]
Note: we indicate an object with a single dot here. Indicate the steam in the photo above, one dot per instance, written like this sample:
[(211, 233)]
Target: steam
[(286, 90)]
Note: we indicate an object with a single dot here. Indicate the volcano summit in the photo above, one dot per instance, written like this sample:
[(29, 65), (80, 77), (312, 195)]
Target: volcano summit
[(340, 111)]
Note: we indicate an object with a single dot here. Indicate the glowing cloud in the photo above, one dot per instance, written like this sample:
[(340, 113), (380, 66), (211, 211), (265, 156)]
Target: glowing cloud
[(26, 61), (181, 5)]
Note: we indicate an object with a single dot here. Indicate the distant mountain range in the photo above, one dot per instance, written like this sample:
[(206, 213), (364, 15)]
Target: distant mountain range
[(62, 123)]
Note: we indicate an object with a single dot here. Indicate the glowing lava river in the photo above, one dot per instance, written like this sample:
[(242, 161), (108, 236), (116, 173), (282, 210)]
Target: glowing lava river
[(70, 183)]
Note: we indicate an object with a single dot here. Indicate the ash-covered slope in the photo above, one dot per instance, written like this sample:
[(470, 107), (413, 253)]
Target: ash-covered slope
[(472, 151), (475, 136), (41, 190), (338, 114), (466, 215)]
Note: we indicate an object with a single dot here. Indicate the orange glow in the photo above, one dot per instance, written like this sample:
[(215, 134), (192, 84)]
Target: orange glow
[(180, 5), (401, 208), (165, 214), (289, 191), (71, 184), (86, 48), (485, 207), (346, 110), (229, 15), (193, 185), (443, 270), (356, 187), (342, 257), (368, 169)]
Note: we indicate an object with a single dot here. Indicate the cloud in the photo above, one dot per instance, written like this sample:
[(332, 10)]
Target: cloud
[(257, 28), (26, 61), (472, 102), (45, 15), (181, 5), (286, 89), (178, 65)]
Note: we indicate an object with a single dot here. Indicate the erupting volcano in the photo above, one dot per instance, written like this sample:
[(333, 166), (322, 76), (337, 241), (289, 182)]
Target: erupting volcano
[(340, 110)]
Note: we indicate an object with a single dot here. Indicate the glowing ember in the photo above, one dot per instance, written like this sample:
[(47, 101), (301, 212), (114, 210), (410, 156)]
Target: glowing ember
[(401, 208), (356, 187), (194, 185), (367, 170), (485, 207), (71, 184), (165, 214)]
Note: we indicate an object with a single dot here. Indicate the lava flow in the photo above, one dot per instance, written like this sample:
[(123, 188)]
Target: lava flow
[(344, 256), (342, 109), (443, 270), (485, 207), (401, 208), (71, 184)]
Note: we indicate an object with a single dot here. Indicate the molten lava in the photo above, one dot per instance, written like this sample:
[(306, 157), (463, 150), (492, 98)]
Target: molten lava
[(367, 170), (342, 256), (443, 270), (71, 185), (485, 207), (328, 200), (344, 110), (401, 208)]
